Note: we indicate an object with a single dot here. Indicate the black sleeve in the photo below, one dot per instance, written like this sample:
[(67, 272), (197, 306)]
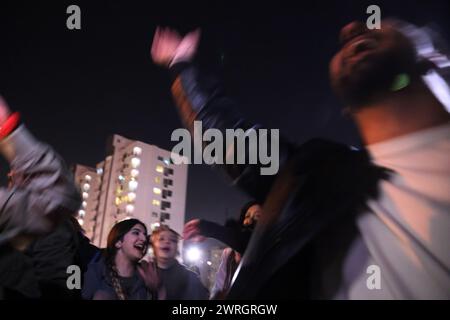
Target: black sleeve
[(201, 99), (234, 237)]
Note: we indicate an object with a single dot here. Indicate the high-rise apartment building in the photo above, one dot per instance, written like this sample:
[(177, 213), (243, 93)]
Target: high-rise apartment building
[(136, 180)]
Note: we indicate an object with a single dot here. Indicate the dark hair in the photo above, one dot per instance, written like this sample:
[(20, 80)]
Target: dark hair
[(245, 208), (117, 232)]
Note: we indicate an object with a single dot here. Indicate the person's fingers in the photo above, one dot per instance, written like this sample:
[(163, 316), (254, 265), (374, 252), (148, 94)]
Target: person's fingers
[(155, 39), (194, 36), (198, 238)]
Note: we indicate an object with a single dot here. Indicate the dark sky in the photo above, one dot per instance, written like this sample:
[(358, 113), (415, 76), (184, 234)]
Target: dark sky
[(74, 88)]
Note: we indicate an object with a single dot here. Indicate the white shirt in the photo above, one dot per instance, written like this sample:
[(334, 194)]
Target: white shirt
[(406, 233)]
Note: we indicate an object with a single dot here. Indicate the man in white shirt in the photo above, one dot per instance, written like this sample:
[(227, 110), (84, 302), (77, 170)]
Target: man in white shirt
[(334, 226)]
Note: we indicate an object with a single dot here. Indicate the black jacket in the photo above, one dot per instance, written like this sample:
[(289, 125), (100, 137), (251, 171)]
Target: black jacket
[(320, 183)]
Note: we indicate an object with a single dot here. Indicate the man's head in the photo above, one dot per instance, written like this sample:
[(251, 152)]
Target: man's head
[(370, 63)]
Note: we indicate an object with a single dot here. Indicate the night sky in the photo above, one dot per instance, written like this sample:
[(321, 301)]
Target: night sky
[(75, 88)]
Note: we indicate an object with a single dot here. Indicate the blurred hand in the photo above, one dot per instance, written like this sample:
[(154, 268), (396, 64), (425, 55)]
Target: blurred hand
[(4, 111), (169, 47), (192, 231), (149, 273)]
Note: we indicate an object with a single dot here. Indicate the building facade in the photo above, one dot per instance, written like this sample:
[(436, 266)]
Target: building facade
[(136, 180)]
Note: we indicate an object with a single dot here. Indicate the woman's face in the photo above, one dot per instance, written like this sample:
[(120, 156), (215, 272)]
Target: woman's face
[(165, 245), (134, 243), (252, 215)]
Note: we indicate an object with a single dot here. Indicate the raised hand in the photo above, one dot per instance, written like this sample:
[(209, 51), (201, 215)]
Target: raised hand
[(4, 111), (169, 47), (192, 231)]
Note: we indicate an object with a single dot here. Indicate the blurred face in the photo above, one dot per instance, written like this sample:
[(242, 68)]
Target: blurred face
[(252, 215), (369, 61), (165, 245), (134, 243)]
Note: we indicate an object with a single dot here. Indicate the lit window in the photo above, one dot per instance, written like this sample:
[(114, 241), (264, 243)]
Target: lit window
[(132, 185), (156, 202), (135, 162), (118, 201), (157, 179), (131, 196), (155, 225), (129, 208), (159, 168), (134, 173), (156, 190), (87, 177), (85, 195), (121, 178), (137, 151), (80, 221), (99, 171), (86, 187)]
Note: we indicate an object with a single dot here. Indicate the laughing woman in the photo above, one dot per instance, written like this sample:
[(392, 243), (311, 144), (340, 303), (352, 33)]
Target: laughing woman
[(117, 275)]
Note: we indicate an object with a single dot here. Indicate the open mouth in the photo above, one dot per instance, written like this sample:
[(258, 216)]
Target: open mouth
[(139, 246), (165, 249)]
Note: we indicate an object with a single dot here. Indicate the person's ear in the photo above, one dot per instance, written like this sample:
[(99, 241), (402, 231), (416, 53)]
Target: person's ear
[(118, 244)]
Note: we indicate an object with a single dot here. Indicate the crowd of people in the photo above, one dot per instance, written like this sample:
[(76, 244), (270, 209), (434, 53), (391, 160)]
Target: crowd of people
[(311, 232)]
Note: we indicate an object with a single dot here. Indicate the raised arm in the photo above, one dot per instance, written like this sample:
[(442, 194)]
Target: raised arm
[(204, 101), (41, 188)]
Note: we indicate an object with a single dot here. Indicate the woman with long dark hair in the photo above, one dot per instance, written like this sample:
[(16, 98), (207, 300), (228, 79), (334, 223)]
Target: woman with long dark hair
[(118, 275)]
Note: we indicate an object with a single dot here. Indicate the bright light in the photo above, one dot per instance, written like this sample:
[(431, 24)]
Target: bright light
[(80, 221), (86, 187), (209, 263), (85, 195), (87, 177), (193, 254), (121, 178), (156, 202), (135, 162), (166, 161), (156, 190), (81, 213), (99, 171), (137, 151), (157, 180), (131, 196), (129, 208), (155, 225), (159, 168), (84, 204), (132, 185), (134, 173)]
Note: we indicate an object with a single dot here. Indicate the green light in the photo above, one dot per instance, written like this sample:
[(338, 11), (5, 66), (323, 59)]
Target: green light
[(401, 81)]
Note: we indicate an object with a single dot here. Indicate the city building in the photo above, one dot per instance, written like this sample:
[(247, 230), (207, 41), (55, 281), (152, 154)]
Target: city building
[(136, 180)]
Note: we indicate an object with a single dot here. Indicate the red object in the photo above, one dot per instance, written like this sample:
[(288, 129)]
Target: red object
[(9, 125)]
